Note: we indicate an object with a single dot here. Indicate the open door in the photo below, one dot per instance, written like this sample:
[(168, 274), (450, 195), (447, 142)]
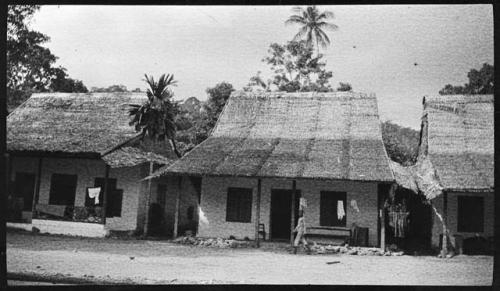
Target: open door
[(281, 202)]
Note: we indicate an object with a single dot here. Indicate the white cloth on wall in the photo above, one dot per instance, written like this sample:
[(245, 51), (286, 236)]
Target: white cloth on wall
[(340, 209), (302, 203), (354, 205), (94, 194), (203, 218)]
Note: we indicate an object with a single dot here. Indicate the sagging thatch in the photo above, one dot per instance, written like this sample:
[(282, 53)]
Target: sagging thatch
[(293, 135), (456, 147), (460, 139), (130, 156), (404, 176), (78, 123)]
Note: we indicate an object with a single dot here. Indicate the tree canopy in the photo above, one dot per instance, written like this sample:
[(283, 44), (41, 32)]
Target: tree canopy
[(30, 65), (313, 25), (401, 143), (481, 81), (155, 118), (293, 69)]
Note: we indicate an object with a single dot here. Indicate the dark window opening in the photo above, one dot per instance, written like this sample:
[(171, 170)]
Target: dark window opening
[(330, 203), (62, 189), (114, 197), (470, 214), (24, 189), (239, 205)]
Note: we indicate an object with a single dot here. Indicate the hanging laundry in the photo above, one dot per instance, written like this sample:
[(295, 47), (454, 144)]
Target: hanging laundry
[(354, 205), (399, 221), (340, 209), (302, 203), (94, 194)]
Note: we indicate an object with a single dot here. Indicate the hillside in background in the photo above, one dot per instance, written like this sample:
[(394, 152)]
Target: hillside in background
[(401, 143)]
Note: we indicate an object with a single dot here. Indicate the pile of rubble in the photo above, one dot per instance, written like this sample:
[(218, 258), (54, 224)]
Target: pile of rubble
[(360, 251), (214, 242)]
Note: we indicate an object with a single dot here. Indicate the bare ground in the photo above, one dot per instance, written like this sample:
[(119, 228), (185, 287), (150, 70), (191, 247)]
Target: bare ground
[(160, 262)]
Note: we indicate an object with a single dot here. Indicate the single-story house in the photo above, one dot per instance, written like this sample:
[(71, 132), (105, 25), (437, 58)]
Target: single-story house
[(76, 166), (269, 149), (455, 165)]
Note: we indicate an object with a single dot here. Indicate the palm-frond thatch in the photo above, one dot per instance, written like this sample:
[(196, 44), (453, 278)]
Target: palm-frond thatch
[(292, 135), (78, 123)]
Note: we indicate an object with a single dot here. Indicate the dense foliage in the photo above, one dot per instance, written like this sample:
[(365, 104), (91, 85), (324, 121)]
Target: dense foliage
[(294, 68), (401, 143), (30, 65), (480, 82)]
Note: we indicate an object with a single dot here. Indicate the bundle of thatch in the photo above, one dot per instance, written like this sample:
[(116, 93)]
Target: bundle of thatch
[(294, 135)]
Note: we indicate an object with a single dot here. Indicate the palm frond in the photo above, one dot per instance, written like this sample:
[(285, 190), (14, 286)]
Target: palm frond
[(326, 15), (327, 25), (295, 19)]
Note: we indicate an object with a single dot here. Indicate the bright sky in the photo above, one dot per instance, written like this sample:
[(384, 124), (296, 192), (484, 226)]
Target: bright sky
[(375, 48)]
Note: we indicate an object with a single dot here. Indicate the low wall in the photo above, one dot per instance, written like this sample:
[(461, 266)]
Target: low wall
[(70, 228)]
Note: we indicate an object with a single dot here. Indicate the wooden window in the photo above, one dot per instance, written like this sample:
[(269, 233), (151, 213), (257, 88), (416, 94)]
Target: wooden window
[(470, 214), (62, 189), (239, 205), (329, 203)]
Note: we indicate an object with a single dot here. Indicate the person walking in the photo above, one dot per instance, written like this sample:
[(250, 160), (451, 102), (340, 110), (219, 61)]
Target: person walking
[(300, 229)]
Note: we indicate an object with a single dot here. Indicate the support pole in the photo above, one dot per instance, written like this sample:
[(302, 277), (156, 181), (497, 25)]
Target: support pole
[(148, 201), (177, 206), (36, 195), (444, 250), (105, 195), (382, 228), (292, 218), (257, 213)]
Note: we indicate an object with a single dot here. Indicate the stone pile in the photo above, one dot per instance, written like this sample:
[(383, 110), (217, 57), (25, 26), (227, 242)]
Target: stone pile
[(360, 251), (213, 242)]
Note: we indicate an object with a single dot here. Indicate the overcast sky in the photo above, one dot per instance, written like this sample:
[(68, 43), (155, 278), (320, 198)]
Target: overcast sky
[(375, 48)]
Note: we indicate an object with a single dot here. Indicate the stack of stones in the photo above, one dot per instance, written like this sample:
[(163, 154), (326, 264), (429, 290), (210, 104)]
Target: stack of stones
[(360, 251), (213, 242)]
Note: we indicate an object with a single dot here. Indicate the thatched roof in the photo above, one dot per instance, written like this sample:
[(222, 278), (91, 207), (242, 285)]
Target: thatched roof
[(460, 139), (293, 135), (404, 176), (131, 156), (78, 123)]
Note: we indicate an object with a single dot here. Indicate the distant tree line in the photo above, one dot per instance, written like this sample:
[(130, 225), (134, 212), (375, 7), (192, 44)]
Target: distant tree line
[(481, 81)]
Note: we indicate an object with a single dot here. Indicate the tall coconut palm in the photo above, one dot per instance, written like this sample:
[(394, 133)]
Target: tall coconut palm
[(155, 118), (313, 24)]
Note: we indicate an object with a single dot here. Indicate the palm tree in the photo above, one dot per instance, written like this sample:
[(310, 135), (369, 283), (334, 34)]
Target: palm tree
[(155, 118), (313, 24)]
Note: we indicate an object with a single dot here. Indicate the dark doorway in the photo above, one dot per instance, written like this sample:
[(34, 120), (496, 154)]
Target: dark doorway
[(25, 188), (281, 202)]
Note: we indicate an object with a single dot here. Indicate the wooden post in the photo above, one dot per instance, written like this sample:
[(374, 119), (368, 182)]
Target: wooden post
[(292, 219), (382, 228), (148, 201), (105, 195), (36, 195), (444, 250), (177, 206), (257, 213)]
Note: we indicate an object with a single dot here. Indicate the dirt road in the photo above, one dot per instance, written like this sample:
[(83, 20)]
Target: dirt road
[(157, 262)]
